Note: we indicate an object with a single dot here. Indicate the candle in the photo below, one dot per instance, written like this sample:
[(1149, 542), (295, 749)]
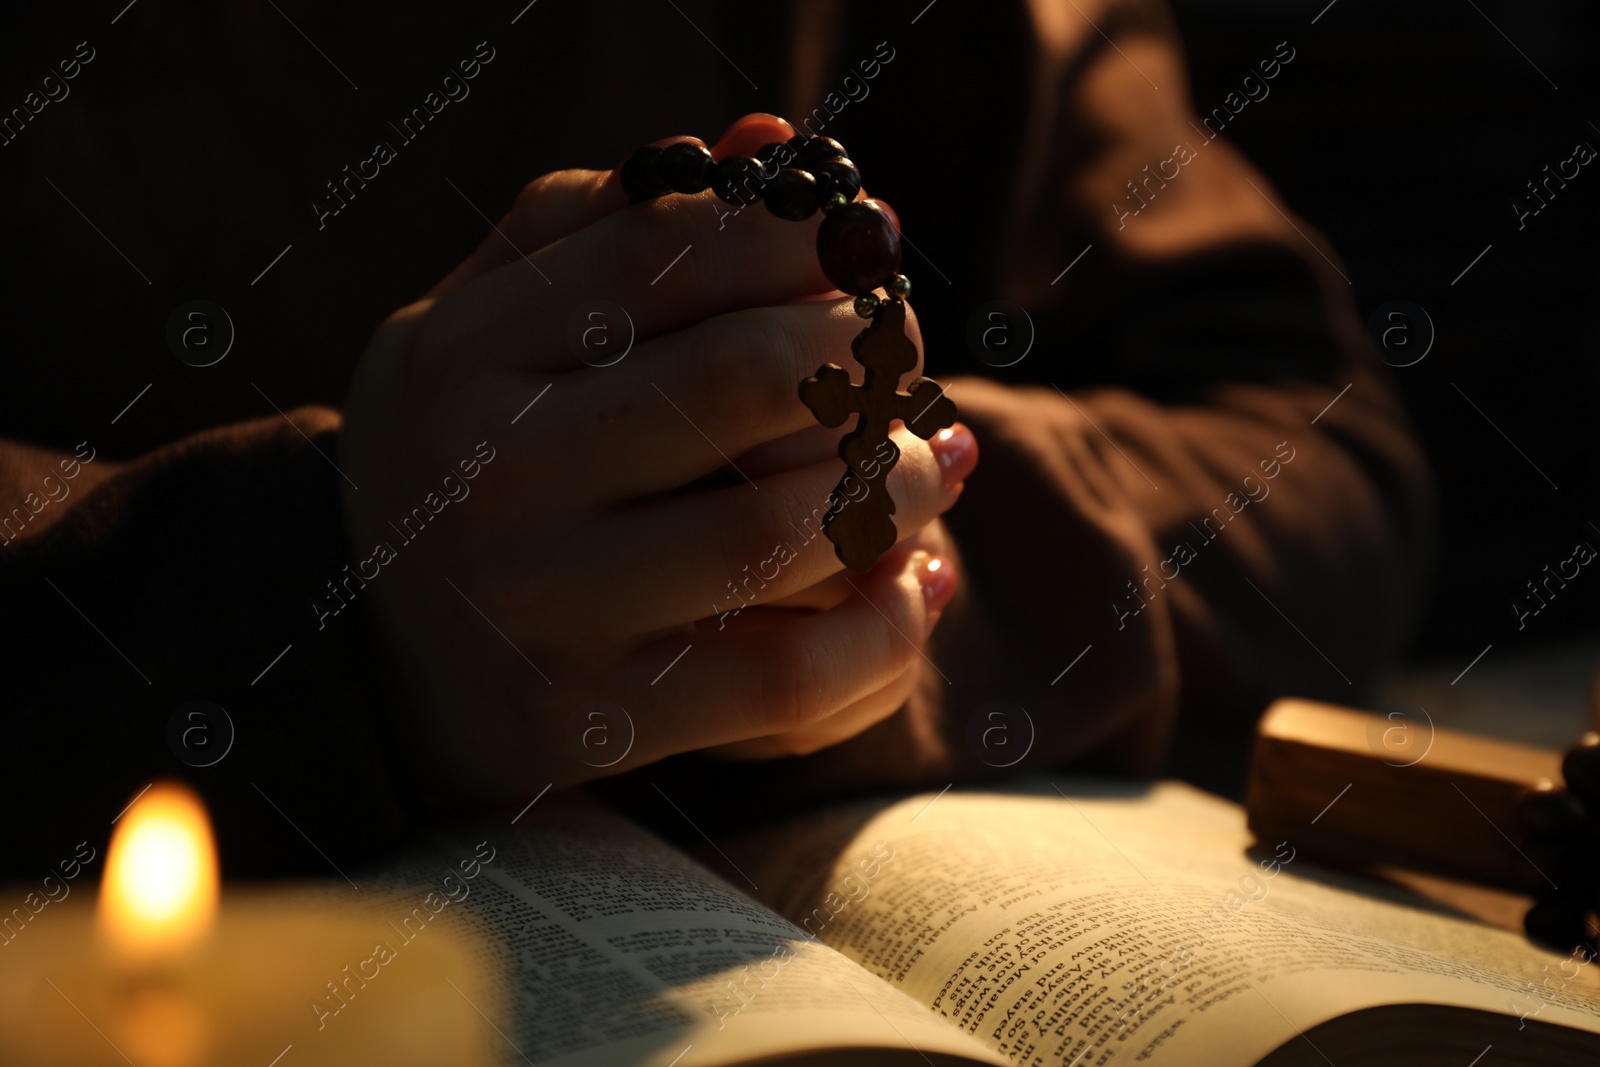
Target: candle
[(159, 898), (164, 971)]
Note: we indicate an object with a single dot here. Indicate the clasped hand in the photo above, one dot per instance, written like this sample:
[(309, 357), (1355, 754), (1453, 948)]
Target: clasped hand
[(628, 506)]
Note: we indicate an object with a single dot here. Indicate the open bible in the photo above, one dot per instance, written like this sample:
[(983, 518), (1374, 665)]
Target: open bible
[(1073, 924)]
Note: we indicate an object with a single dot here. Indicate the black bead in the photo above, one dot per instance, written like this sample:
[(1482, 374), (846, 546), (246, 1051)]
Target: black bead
[(817, 149), (774, 157), (1558, 923), (838, 174), (641, 176), (1581, 768), (793, 195), (1543, 860), (685, 167), (738, 180), (1548, 810)]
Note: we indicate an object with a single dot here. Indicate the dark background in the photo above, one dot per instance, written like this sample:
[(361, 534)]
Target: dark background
[(1403, 132)]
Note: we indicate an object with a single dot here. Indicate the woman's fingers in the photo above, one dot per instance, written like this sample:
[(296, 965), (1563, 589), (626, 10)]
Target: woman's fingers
[(929, 550), (812, 444), (931, 540), (710, 553), (665, 264), (661, 266), (797, 674), (840, 726), (685, 402)]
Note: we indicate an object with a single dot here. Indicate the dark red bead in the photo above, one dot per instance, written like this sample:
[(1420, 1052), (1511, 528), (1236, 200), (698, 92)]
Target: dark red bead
[(738, 180), (685, 167), (858, 247), (1581, 768), (792, 194), (641, 176), (838, 174)]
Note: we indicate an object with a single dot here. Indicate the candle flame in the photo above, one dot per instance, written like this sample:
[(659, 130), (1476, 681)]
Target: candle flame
[(160, 890)]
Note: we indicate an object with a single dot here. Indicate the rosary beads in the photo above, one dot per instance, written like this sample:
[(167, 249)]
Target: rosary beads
[(858, 248)]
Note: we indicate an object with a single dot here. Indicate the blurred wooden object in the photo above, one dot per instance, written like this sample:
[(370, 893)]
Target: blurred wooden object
[(1365, 790)]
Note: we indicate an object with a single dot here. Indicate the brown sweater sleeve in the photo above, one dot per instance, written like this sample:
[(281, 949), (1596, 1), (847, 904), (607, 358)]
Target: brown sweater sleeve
[(187, 574), (1210, 495)]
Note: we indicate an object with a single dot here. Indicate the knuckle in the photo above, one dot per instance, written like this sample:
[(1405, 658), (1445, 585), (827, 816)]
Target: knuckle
[(451, 328), (822, 334), (897, 653), (792, 689), (529, 197), (897, 627), (901, 654), (932, 538), (750, 366), (755, 360), (648, 238), (539, 192), (756, 531), (915, 479), (715, 370), (914, 332)]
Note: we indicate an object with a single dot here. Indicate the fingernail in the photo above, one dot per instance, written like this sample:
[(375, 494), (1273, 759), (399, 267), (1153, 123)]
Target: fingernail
[(957, 452), (937, 576), (763, 117), (746, 136)]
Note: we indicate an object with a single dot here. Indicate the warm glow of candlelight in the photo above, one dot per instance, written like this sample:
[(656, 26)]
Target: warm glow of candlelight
[(160, 890)]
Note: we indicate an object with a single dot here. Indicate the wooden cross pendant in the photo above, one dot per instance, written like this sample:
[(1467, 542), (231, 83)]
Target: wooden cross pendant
[(859, 508)]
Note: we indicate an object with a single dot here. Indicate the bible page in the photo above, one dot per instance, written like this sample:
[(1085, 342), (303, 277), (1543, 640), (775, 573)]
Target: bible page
[(1114, 924), (614, 948)]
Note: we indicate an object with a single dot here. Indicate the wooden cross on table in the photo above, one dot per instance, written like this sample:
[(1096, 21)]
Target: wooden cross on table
[(858, 523)]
